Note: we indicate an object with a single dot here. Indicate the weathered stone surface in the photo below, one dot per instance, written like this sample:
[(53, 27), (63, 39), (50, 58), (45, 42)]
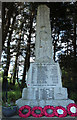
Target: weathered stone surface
[(45, 93), (28, 93), (43, 45), (38, 93), (60, 93), (43, 103), (44, 75)]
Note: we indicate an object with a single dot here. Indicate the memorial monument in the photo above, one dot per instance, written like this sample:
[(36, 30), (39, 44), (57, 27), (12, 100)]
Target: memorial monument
[(44, 85)]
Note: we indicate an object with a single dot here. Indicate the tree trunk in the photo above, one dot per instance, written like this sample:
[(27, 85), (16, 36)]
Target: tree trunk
[(54, 50), (28, 44), (24, 74), (27, 57), (75, 41), (6, 21), (15, 66), (67, 47), (5, 75)]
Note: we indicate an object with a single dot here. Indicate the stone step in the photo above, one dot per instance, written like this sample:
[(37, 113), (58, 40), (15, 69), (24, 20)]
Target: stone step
[(43, 103), (42, 118)]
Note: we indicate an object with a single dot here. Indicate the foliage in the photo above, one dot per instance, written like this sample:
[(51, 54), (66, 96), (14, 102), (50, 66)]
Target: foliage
[(69, 78), (73, 96), (13, 94)]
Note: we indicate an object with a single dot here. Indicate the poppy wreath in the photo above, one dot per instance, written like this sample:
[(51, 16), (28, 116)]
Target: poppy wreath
[(60, 109), (27, 114), (72, 109), (37, 108), (45, 111)]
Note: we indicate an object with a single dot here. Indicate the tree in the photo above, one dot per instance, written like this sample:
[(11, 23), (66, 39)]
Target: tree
[(28, 49), (5, 75)]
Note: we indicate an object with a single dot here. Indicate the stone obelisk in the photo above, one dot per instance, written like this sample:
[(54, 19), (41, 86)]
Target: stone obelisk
[(44, 85), (43, 45)]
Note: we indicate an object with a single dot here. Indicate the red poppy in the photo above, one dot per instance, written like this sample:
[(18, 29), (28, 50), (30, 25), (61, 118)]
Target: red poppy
[(27, 114), (72, 109), (35, 114), (60, 111), (45, 111)]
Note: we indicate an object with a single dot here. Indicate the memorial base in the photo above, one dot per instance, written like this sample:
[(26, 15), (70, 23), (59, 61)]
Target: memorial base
[(44, 87), (20, 102)]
